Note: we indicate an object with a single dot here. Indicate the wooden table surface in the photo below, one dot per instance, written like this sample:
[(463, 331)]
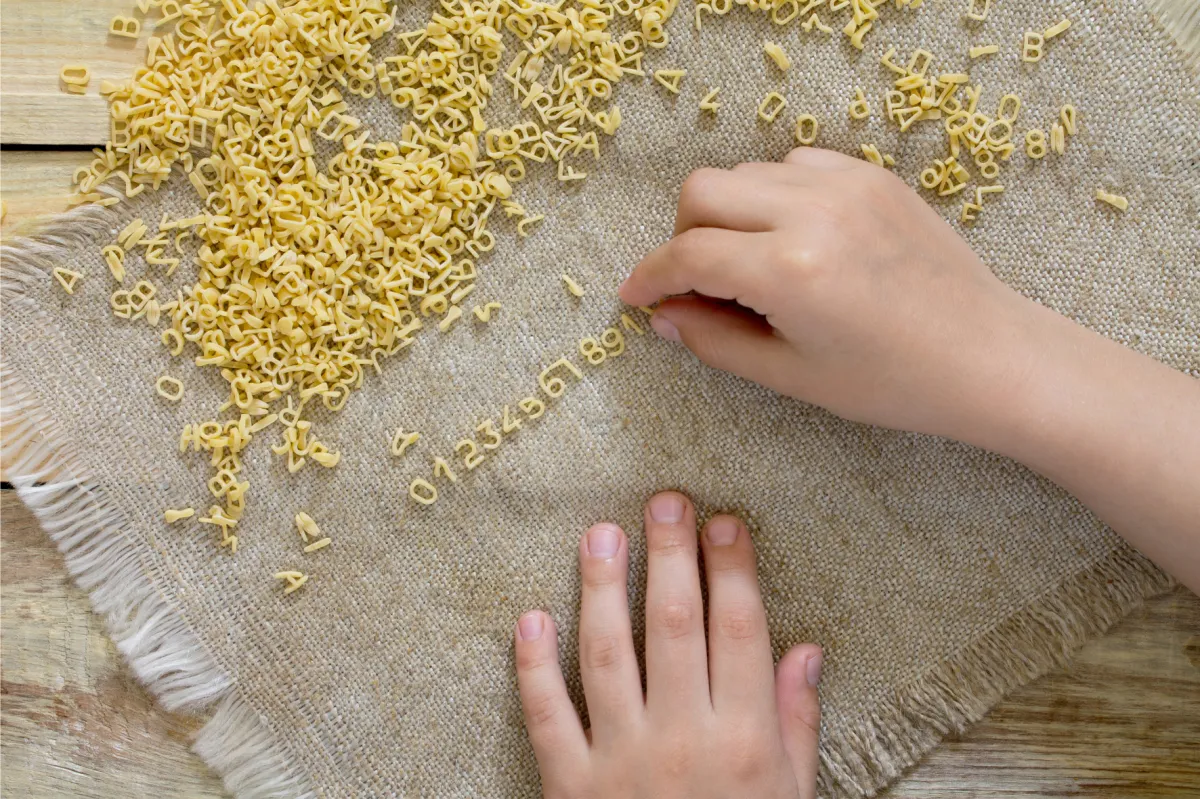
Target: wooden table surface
[(1123, 720)]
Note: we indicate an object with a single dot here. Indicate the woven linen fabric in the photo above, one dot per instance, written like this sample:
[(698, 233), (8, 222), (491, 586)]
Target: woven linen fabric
[(936, 576)]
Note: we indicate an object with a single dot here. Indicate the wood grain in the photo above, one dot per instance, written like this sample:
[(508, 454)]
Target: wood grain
[(37, 37), (1122, 722), (36, 184), (73, 721)]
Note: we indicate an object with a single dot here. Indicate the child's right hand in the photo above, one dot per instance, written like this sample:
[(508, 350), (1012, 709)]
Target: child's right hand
[(828, 279), (873, 307)]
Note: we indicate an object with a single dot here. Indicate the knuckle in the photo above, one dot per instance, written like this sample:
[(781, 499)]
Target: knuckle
[(675, 618), (531, 658), (740, 624), (670, 540), (601, 652), (541, 710), (746, 753), (601, 574), (676, 756)]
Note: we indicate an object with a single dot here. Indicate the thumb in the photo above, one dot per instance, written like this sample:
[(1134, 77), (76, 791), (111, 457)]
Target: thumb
[(724, 336), (799, 707)]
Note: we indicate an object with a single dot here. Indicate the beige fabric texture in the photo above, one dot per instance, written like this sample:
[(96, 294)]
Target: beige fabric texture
[(936, 576)]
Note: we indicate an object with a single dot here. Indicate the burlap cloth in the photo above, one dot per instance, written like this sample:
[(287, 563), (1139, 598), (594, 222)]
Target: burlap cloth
[(936, 576)]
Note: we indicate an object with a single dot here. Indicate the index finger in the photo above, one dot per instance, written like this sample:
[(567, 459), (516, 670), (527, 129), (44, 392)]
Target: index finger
[(723, 264)]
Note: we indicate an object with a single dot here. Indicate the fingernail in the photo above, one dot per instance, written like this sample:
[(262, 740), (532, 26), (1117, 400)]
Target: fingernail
[(813, 669), (722, 531), (529, 626), (602, 541), (663, 327), (666, 508)]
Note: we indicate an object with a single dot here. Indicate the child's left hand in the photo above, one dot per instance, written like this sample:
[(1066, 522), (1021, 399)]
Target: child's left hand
[(716, 719)]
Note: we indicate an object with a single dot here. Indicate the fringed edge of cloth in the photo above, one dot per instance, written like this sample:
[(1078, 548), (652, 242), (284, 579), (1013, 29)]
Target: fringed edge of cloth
[(880, 745), (1181, 21), (164, 652)]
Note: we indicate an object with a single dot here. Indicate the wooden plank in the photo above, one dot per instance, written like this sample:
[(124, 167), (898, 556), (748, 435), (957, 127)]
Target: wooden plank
[(73, 721), (1123, 721), (37, 37), (35, 184)]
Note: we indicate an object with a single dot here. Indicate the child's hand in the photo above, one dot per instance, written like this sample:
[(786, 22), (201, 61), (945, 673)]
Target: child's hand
[(873, 307), (716, 719), (827, 279)]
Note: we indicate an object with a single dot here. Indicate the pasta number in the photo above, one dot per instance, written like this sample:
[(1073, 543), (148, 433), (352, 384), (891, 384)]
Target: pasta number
[(473, 457), (591, 350), (533, 407), (508, 423), (488, 429)]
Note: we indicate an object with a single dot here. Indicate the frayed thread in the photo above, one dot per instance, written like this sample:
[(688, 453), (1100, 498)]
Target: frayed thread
[(1181, 20), (163, 651), (879, 746)]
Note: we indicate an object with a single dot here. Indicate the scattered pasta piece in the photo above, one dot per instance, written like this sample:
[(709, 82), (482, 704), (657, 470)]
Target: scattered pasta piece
[(1032, 47), (306, 527), (173, 516), (872, 154), (670, 78), (67, 278), (982, 50), (484, 312), (1056, 29), (523, 226), (978, 9), (169, 388), (1035, 143), (806, 129), (1115, 200), (815, 22), (450, 318), (777, 55), (1069, 119), (315, 545), (770, 106), (114, 256), (709, 101), (75, 78), (573, 287), (127, 27), (295, 580), (1058, 138), (401, 441), (858, 106)]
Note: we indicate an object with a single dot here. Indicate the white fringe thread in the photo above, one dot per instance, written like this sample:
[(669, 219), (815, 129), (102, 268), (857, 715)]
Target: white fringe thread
[(163, 651)]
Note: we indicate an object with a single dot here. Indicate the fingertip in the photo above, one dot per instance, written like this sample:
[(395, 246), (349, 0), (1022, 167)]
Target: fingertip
[(532, 626), (664, 327), (801, 666), (601, 541), (723, 530)]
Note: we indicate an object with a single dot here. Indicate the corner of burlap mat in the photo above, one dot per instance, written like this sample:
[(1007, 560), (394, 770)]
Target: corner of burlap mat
[(88, 527)]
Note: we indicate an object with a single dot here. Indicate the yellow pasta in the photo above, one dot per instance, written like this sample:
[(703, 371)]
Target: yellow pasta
[(295, 580), (1115, 200), (982, 50), (450, 318), (1032, 46), (127, 27), (173, 516), (770, 106), (169, 388), (67, 278), (1056, 29), (776, 54), (484, 312), (806, 129), (574, 288), (75, 78), (315, 545), (401, 441), (670, 78), (858, 106), (1069, 117), (709, 101)]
